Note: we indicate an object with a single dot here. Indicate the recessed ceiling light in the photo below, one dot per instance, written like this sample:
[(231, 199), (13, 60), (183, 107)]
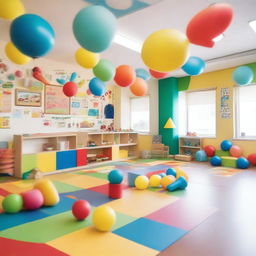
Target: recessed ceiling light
[(218, 38), (128, 42), (252, 24)]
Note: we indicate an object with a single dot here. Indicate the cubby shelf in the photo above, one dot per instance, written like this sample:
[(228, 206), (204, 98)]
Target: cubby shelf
[(189, 145)]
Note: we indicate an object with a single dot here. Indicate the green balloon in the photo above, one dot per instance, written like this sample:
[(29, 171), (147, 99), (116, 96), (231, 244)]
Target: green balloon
[(13, 203), (104, 70)]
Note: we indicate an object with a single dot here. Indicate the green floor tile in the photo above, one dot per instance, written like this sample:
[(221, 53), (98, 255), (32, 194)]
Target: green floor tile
[(63, 187), (103, 176)]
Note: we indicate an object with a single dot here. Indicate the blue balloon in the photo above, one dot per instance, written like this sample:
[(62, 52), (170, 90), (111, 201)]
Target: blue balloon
[(97, 87), (94, 28), (242, 163), (73, 77), (61, 81), (194, 66), (142, 73), (226, 145), (32, 35), (243, 75), (215, 161)]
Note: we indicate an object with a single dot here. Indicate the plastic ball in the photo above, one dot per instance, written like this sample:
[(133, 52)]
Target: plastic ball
[(235, 151), (104, 70), (139, 87), (94, 28), (201, 156), (157, 74), (12, 203), (70, 89), (81, 209), (252, 159), (165, 50), (242, 163), (86, 58), (226, 145), (180, 173), (215, 161), (15, 55), (32, 199), (155, 180), (171, 171), (97, 87), (141, 182), (125, 75), (142, 73), (32, 35), (194, 66), (103, 218), (209, 150), (10, 9), (115, 177), (243, 75), (168, 179)]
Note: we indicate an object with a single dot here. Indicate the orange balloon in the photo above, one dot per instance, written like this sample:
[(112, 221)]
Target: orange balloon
[(139, 87), (125, 75)]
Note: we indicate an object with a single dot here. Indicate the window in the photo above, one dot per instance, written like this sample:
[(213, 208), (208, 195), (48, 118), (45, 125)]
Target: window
[(197, 113), (140, 114), (245, 110)]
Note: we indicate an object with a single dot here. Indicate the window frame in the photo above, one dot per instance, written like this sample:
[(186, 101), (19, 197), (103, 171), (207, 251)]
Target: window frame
[(149, 120)]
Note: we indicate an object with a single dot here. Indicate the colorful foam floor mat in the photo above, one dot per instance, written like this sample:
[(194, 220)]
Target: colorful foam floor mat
[(148, 221)]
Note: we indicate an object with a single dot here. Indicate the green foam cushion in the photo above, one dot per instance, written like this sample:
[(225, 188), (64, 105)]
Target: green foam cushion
[(228, 161), (221, 153)]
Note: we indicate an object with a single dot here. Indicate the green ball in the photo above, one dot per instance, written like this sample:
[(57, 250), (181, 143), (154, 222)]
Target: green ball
[(104, 70), (12, 203)]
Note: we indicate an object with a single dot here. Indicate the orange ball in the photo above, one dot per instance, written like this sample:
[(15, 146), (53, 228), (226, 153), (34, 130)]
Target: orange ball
[(125, 75), (139, 87), (167, 180)]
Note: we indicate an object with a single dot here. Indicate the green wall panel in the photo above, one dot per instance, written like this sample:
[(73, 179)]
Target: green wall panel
[(29, 162), (168, 107), (183, 83)]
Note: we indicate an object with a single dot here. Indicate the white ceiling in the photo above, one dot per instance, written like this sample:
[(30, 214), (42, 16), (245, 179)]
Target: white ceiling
[(176, 14)]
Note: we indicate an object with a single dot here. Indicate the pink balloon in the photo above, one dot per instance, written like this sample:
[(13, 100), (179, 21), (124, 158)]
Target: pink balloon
[(32, 199), (235, 151)]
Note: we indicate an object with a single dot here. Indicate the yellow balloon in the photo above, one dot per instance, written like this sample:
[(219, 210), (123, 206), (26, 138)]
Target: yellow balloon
[(180, 172), (154, 180), (86, 59), (165, 50), (167, 180), (11, 9), (103, 218), (141, 182), (15, 55)]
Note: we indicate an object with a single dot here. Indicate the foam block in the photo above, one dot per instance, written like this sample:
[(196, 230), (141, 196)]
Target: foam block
[(221, 153), (115, 191), (131, 178), (228, 161)]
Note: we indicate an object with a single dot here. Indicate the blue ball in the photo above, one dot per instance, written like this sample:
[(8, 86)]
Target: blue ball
[(201, 156), (194, 66), (94, 28), (115, 177), (243, 75), (32, 35), (142, 73), (242, 163), (97, 87), (226, 145), (215, 161), (171, 171)]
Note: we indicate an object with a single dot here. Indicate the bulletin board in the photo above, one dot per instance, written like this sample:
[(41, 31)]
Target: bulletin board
[(55, 101), (5, 100)]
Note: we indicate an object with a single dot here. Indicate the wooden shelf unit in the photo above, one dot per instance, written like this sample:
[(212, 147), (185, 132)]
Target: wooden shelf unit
[(189, 145), (30, 153)]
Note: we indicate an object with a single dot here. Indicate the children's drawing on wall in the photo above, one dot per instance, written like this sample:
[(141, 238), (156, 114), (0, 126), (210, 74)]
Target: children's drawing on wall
[(5, 100), (225, 103), (4, 122)]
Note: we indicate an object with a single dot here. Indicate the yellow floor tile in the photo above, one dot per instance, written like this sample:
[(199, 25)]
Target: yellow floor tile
[(88, 241), (138, 203), (12, 188)]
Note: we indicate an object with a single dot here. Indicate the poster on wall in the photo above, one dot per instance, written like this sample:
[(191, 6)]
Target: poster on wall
[(4, 122), (55, 101), (79, 105), (27, 98), (5, 100), (225, 109)]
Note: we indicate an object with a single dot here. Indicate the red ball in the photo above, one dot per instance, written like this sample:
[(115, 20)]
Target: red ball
[(70, 89), (81, 209), (157, 74), (252, 159), (125, 75), (209, 150)]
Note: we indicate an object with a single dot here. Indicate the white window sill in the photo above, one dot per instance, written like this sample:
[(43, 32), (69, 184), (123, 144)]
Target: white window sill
[(199, 137), (245, 138)]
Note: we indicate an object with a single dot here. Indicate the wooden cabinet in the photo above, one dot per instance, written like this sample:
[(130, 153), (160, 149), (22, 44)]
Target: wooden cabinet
[(189, 145)]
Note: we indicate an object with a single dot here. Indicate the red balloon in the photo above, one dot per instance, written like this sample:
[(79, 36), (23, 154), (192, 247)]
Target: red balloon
[(125, 75), (81, 209), (37, 74), (209, 150), (209, 23), (70, 89), (252, 159), (139, 87), (157, 74)]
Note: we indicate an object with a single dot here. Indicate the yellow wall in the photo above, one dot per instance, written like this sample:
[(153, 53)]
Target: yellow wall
[(224, 127)]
